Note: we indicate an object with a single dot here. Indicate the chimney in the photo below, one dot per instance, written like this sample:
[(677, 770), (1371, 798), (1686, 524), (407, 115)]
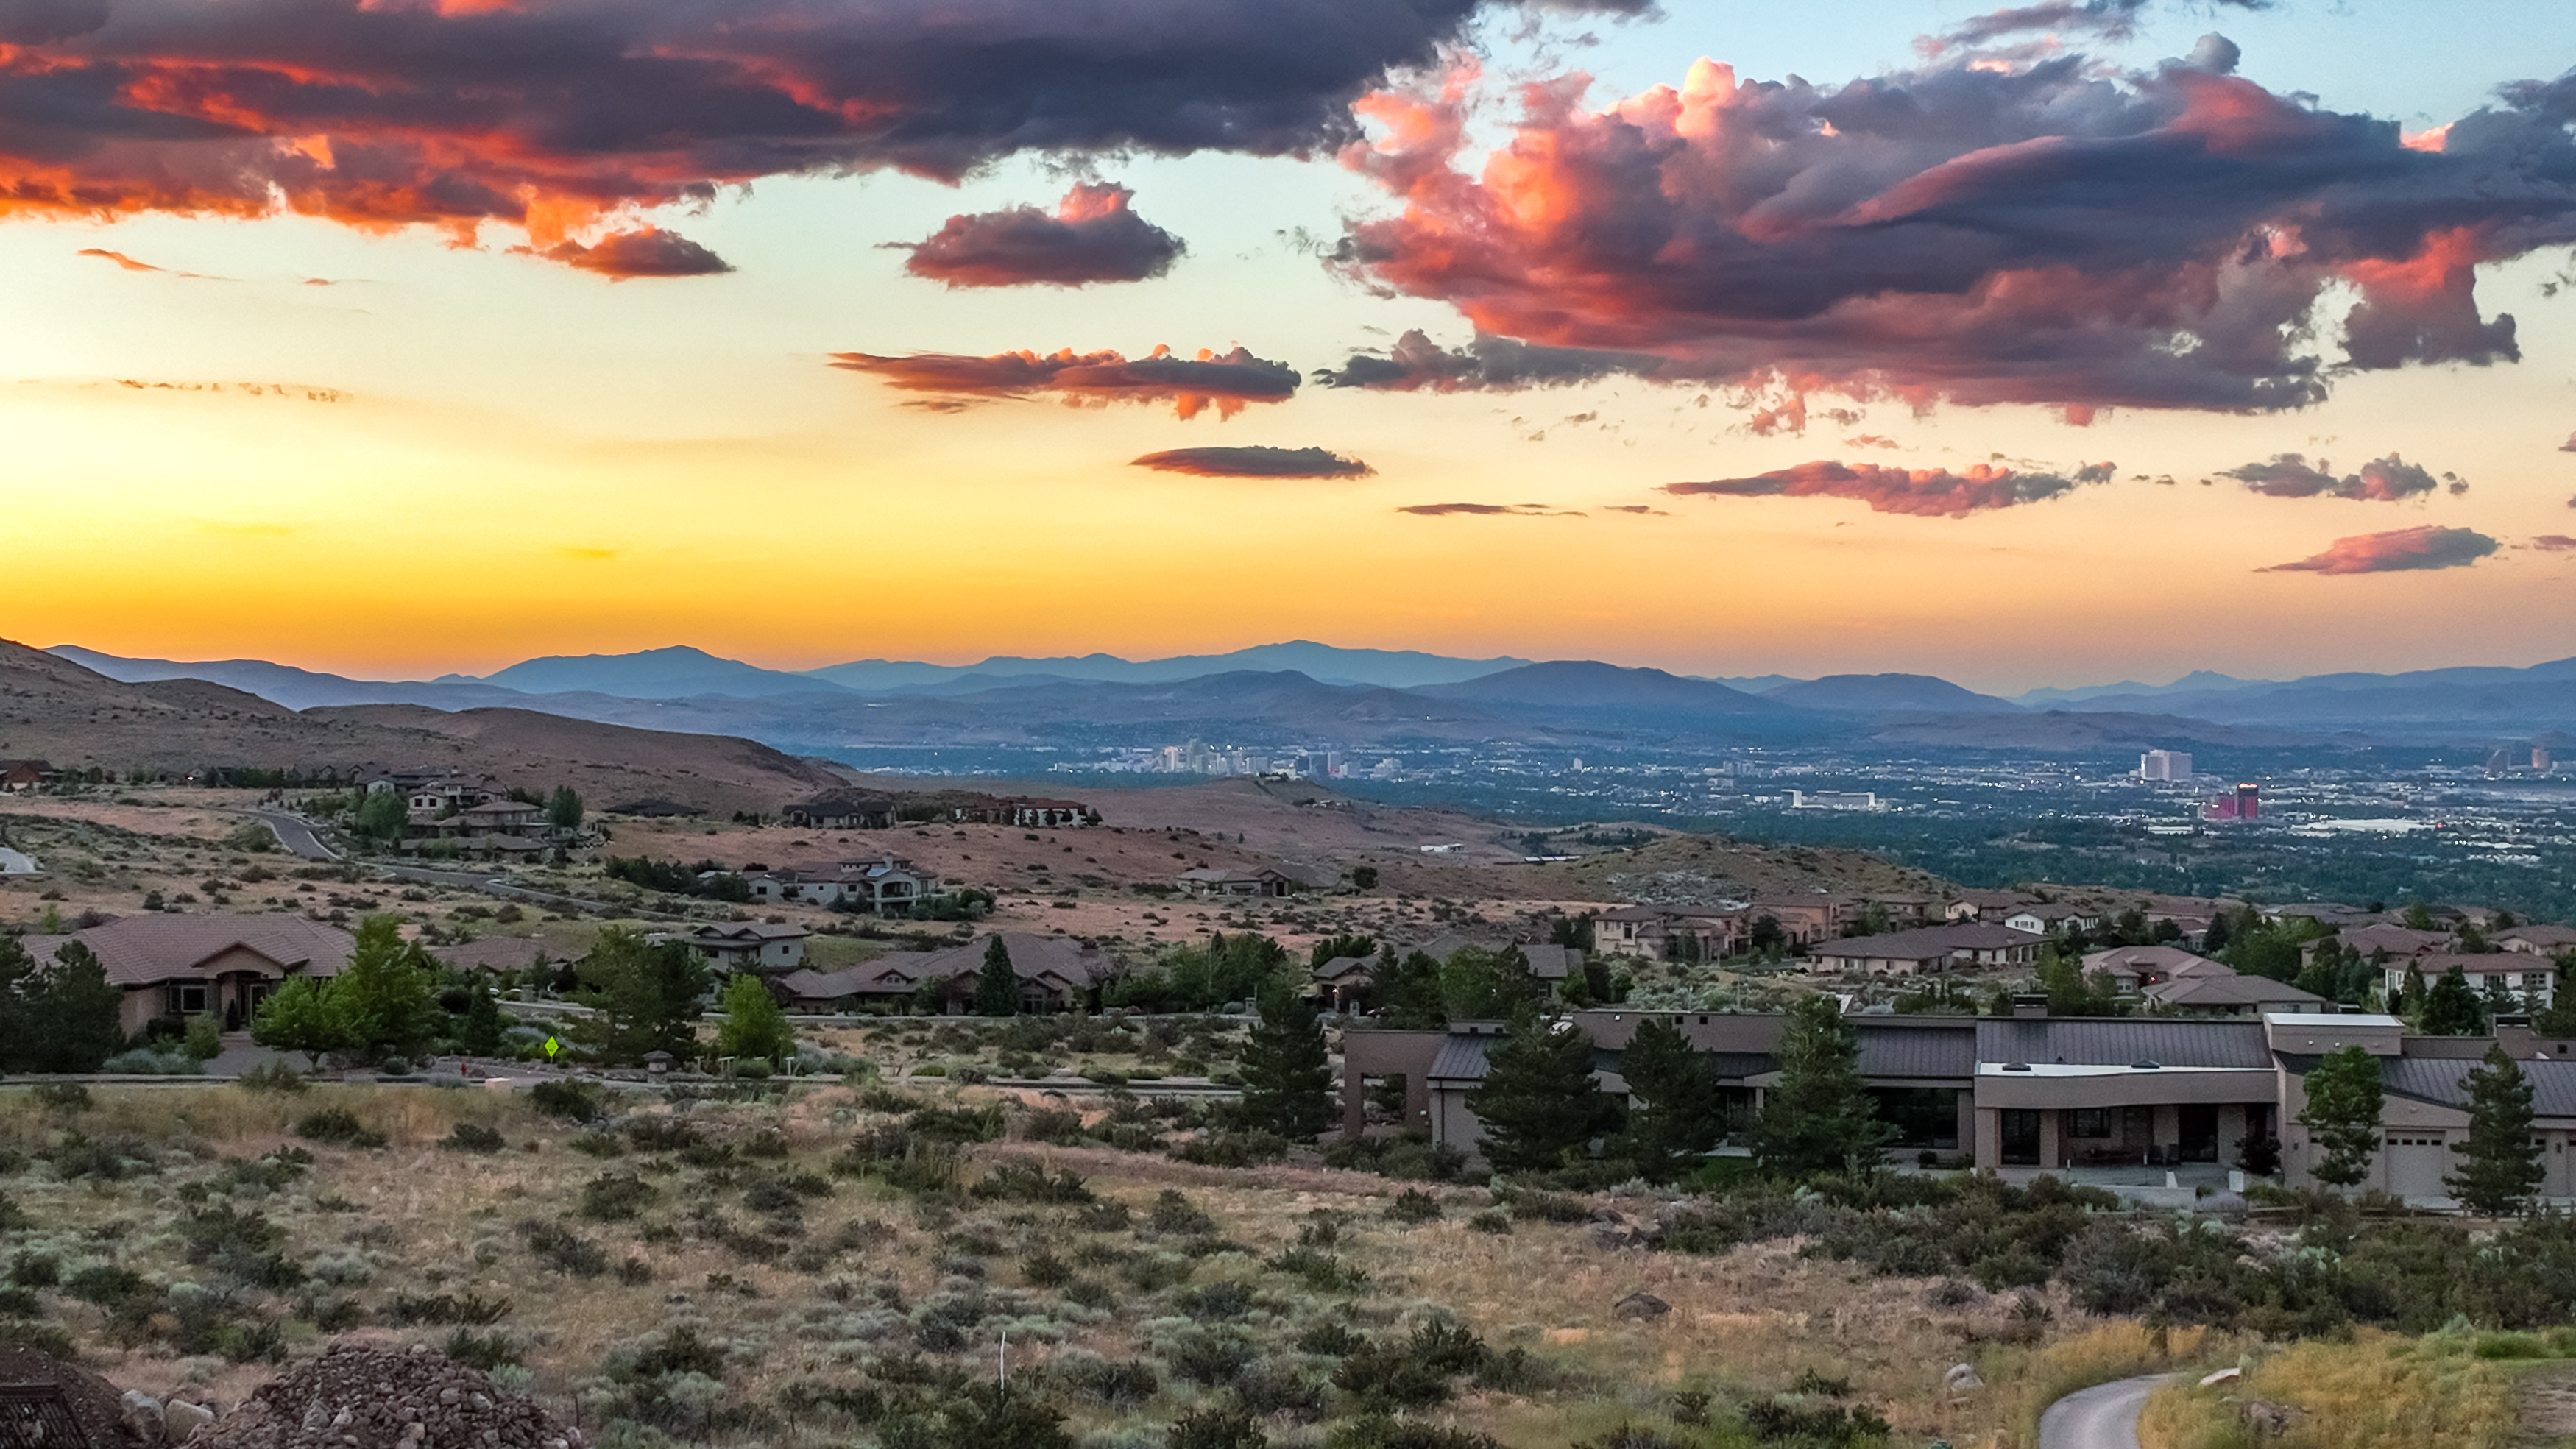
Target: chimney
[(2030, 1006)]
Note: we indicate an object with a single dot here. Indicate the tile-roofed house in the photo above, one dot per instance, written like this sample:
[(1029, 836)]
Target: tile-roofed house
[(181, 965), (2226, 993), (1056, 972), (18, 777), (2134, 967), (2536, 940), (2397, 941), (1992, 906), (2047, 916), (2529, 980), (1347, 983)]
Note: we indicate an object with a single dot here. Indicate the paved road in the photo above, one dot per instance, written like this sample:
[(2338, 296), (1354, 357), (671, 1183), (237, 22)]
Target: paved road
[(2104, 1416), (295, 835)]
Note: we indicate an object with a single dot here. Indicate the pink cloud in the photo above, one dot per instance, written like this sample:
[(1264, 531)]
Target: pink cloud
[(1091, 236), (2405, 550)]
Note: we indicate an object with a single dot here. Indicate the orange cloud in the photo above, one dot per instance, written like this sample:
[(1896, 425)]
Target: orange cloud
[(553, 116), (644, 252), (1920, 491), (120, 258), (2404, 550), (1228, 383), (1256, 463), (1487, 510)]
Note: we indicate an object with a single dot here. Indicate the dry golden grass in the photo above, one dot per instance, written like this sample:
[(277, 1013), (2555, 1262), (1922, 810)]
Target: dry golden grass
[(1744, 1325), (2378, 1389)]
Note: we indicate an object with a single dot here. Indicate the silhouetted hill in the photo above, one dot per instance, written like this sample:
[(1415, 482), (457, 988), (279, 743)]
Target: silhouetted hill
[(1583, 684), (1889, 694), (677, 672)]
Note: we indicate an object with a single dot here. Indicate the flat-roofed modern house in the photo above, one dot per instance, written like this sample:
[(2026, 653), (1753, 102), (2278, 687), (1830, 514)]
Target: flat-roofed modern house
[(1964, 946), (181, 966), (2030, 1093)]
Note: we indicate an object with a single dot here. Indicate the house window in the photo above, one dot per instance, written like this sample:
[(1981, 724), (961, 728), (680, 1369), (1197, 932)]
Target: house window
[(2088, 1122), (187, 998)]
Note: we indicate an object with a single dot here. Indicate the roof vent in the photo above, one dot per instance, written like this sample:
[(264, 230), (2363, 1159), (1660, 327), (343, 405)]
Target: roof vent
[(2146, 1066), (2016, 1066)]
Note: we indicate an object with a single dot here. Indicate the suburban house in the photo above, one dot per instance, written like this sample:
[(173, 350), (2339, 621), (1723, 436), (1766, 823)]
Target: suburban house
[(1963, 946), (890, 886), (18, 777), (841, 810), (2027, 1094), (745, 945), (2227, 993), (2049, 918), (2398, 941), (1802, 919), (1031, 812), (1665, 933), (1233, 884), (1056, 973), (178, 966), (1347, 983), (2134, 968), (2529, 980), (1984, 905), (2536, 940)]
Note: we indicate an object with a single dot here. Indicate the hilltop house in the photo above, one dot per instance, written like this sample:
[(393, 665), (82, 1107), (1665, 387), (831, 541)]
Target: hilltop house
[(745, 945), (2134, 968), (2536, 940), (2048, 918), (19, 777), (180, 966), (890, 886), (1233, 884), (841, 810)]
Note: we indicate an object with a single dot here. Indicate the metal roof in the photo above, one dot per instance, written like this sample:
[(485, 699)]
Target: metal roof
[(2444, 1082), (1918, 1051), (1462, 1058), (2079, 1041)]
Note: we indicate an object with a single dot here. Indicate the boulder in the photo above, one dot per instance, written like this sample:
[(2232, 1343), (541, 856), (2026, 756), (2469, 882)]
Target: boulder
[(143, 1417), (1961, 1378), (184, 1419), (1640, 1307), (2268, 1420)]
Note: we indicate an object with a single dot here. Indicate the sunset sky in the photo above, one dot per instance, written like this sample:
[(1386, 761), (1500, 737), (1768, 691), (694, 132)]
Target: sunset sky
[(2055, 345)]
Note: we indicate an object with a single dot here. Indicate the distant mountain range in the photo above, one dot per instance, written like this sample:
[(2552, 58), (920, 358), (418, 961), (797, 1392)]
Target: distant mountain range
[(1302, 690)]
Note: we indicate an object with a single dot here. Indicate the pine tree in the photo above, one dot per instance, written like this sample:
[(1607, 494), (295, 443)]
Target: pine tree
[(481, 1033), (2342, 1114), (2452, 1007), (1819, 1118), (2502, 1167), (1408, 992), (997, 986), (1538, 1102), (70, 1014), (1674, 1115), (1287, 1079), (563, 808), (646, 995)]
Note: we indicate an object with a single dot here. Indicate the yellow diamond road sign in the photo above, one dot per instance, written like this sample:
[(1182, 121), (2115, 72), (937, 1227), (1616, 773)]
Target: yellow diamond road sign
[(552, 1046)]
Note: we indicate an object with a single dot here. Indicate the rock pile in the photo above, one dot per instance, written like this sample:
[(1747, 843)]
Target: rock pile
[(92, 1399), (360, 1396)]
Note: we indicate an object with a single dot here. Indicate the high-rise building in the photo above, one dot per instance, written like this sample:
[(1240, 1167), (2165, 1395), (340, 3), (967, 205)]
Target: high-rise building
[(2164, 765), (2540, 758), (2249, 802)]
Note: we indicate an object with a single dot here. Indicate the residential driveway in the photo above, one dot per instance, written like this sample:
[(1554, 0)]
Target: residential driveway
[(295, 835), (2104, 1416)]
